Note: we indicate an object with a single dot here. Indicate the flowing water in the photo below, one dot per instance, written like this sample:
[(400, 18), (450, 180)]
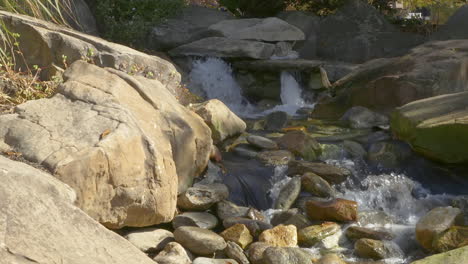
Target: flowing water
[(401, 195)]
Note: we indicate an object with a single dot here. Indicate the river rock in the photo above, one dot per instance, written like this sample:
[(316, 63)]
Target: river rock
[(330, 173), (41, 224), (255, 214), (198, 240), (173, 253), (198, 219), (246, 152), (287, 255), (288, 194), (355, 149), (126, 162), (312, 235), (300, 143), (255, 227), (331, 259), (255, 252), (376, 249), (356, 232), (225, 48), (298, 220), (461, 202), (222, 121), (234, 251), (226, 209), (388, 154), (362, 117), (262, 142), (340, 210), (283, 215), (190, 24), (280, 236), (374, 218), (275, 157), (435, 222), (238, 234), (316, 185), (455, 256), (276, 120), (435, 127), (269, 29), (150, 239), (202, 260), (201, 197), (46, 45), (454, 237)]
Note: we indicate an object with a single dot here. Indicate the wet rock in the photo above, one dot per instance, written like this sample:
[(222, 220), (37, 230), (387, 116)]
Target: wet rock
[(331, 259), (376, 249), (300, 143), (275, 157), (456, 256), (355, 149), (255, 227), (215, 154), (254, 214), (198, 240), (330, 173), (288, 194), (388, 154), (356, 232), (340, 210), (269, 29), (202, 220), (238, 234), (262, 142), (150, 239), (331, 151), (201, 197), (316, 185), (226, 209), (245, 152), (173, 253), (225, 48), (201, 260), (312, 235), (374, 137), (374, 218), (454, 237), (461, 202), (235, 252), (298, 220), (280, 236), (221, 120), (362, 117), (286, 255), (435, 222), (282, 216), (255, 252), (276, 121)]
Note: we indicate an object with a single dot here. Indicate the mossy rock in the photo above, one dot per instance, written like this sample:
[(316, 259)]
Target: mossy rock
[(457, 256)]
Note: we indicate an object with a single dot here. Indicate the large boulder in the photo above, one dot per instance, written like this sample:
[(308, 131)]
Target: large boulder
[(436, 127), (39, 223), (53, 47), (189, 25), (381, 85), (270, 29), (456, 256), (123, 143), (357, 32), (79, 16), (455, 28), (225, 48)]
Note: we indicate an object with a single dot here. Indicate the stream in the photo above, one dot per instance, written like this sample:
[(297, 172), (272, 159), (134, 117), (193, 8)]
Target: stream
[(401, 194)]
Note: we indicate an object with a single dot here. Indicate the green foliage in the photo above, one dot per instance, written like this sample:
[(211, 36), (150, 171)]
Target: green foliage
[(128, 22), (254, 8), (49, 10), (319, 7)]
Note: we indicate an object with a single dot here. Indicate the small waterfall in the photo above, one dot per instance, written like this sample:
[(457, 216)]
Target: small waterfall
[(214, 77)]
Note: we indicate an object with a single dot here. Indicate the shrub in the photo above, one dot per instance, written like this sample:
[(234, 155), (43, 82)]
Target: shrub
[(254, 8), (128, 22)]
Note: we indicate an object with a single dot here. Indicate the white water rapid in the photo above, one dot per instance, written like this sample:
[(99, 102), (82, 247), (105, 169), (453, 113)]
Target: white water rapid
[(215, 79)]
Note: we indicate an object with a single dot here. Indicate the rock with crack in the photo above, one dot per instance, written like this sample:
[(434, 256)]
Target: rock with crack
[(123, 143), (39, 223)]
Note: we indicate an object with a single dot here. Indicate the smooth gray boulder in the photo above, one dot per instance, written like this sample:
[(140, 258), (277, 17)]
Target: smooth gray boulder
[(150, 239), (269, 29), (39, 223), (173, 253), (198, 219), (287, 255), (288, 194), (225, 48), (189, 25), (198, 240)]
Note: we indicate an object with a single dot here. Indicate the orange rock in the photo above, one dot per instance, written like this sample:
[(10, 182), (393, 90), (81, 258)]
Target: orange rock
[(340, 210)]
